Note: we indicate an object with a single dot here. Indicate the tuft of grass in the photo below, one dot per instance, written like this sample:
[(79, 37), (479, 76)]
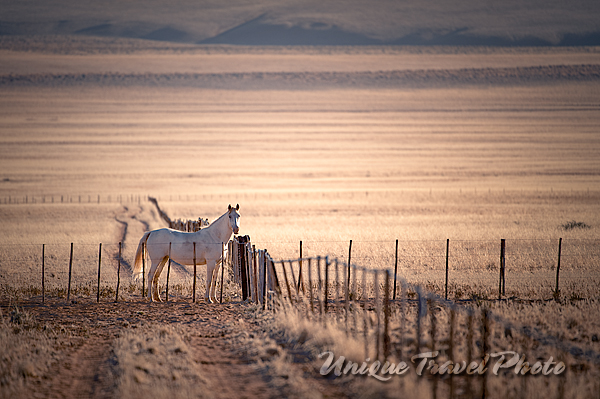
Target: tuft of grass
[(572, 225)]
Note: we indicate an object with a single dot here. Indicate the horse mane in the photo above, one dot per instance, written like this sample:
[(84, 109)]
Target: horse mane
[(219, 218)]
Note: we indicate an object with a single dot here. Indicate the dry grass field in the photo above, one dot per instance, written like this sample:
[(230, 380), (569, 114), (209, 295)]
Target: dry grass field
[(319, 145)]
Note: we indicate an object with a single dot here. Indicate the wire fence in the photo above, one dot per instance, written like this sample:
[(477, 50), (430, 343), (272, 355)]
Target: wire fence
[(455, 269), (462, 351), (393, 316), (73, 199)]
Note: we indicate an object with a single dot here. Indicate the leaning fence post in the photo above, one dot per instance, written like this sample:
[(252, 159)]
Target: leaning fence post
[(286, 282), (395, 270), (447, 250), (168, 273), (99, 262), (119, 274), (70, 269), (43, 272), (556, 291), (194, 283), (300, 271), (293, 281), (502, 263)]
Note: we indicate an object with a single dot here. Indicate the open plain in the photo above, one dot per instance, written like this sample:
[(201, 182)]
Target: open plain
[(317, 144)]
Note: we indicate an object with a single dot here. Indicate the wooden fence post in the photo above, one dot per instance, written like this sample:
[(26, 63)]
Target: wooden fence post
[(119, 274), (326, 294), (378, 312), (432, 330), (310, 291), (365, 325), (194, 283), (242, 255), (43, 272), (447, 250), (70, 269), (451, 345), (168, 273), (386, 317), (395, 270), (502, 264), (286, 282), (349, 262), (485, 348), (99, 263), (403, 299), (294, 281), (556, 291), (319, 287), (143, 267), (346, 297), (300, 271), (222, 268), (273, 274), (255, 277), (354, 296), (265, 280), (337, 283), (419, 317)]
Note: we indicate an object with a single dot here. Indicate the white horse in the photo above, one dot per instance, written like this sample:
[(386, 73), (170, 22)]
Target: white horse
[(208, 251)]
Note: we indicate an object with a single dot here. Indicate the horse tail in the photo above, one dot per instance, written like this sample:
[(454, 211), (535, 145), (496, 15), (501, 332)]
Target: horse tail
[(137, 264)]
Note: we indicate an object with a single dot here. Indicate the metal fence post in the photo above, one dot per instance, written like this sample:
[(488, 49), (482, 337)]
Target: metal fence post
[(43, 272), (119, 274), (99, 263), (70, 270), (557, 291)]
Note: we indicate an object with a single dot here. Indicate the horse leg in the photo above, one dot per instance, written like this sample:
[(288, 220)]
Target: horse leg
[(159, 269), (210, 268), (213, 284), (151, 274)]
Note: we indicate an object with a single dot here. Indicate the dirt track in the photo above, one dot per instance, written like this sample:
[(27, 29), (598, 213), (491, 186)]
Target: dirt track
[(90, 329)]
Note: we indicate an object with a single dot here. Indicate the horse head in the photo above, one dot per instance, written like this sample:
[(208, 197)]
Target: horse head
[(234, 218)]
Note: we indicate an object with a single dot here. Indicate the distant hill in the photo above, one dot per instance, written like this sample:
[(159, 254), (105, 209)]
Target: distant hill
[(312, 22)]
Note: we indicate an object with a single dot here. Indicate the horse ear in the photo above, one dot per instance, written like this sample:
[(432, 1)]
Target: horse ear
[(237, 207), (229, 207)]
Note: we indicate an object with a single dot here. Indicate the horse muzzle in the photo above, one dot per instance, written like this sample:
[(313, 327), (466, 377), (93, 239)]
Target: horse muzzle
[(236, 230)]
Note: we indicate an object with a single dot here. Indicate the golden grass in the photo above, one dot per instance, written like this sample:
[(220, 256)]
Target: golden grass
[(473, 164), (27, 351), (155, 360)]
